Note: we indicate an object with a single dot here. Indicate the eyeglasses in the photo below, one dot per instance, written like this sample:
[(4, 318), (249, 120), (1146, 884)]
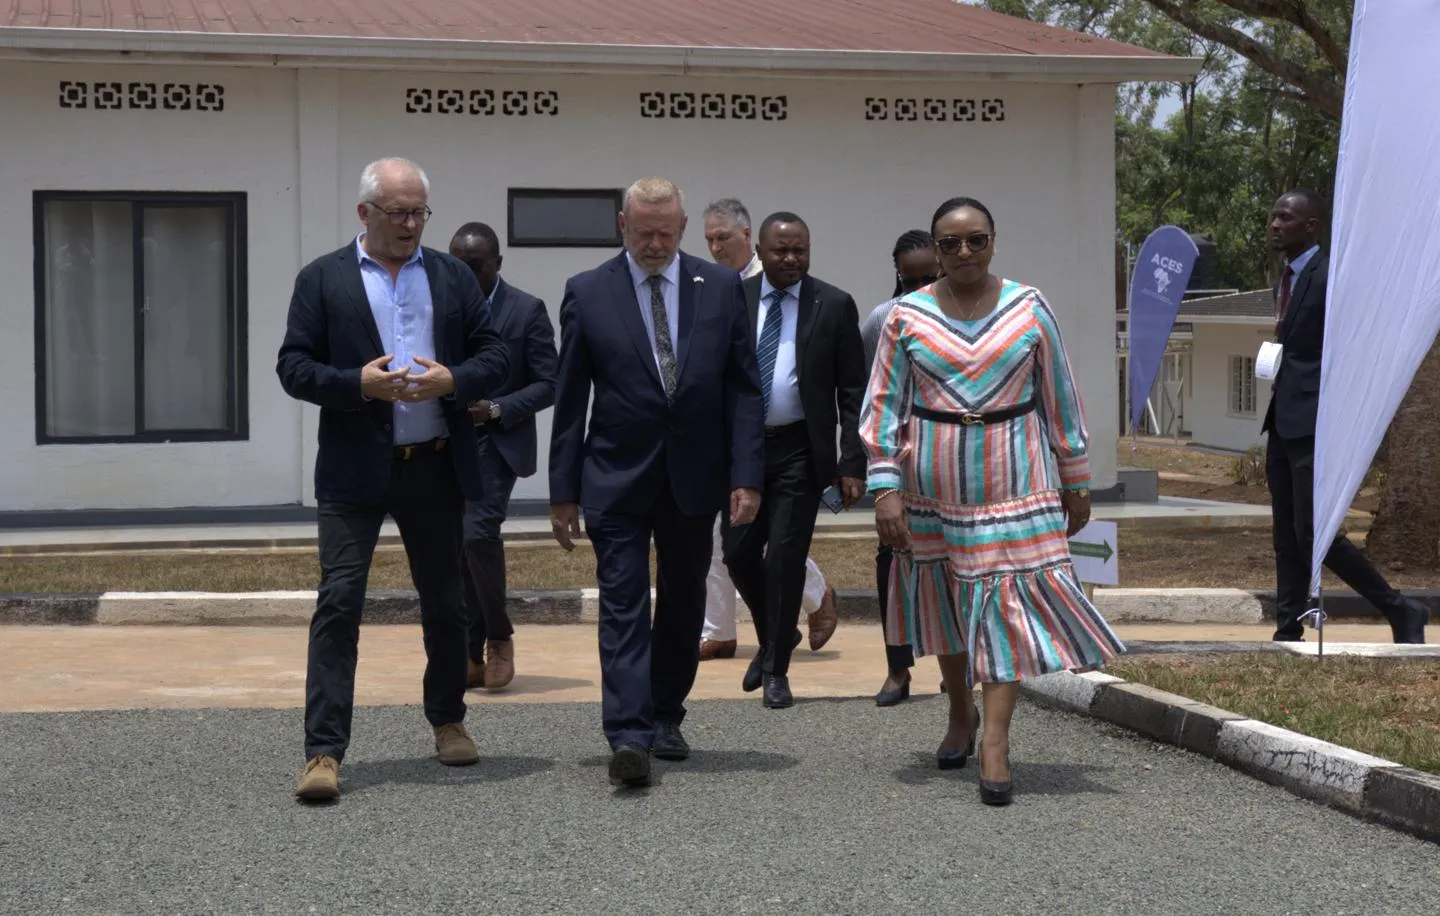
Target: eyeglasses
[(401, 217), (910, 284), (950, 244)]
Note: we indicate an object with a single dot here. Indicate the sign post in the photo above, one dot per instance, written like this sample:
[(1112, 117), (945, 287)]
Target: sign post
[(1162, 272), (1095, 551)]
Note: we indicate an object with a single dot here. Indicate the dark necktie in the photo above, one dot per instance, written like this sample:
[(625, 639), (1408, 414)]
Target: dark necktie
[(769, 347), (664, 352), (1284, 295)]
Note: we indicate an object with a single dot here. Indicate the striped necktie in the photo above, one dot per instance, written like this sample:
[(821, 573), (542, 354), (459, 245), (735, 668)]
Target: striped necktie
[(769, 347), (664, 351)]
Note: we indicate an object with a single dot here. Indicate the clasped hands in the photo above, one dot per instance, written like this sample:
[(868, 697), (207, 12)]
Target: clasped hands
[(378, 382)]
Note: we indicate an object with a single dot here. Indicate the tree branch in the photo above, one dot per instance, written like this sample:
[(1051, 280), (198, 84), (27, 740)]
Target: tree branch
[(1298, 14), (1324, 95)]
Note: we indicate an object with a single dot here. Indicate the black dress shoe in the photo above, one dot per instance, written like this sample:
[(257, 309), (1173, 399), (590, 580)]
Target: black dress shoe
[(893, 696), (1407, 624), (630, 766), (754, 674), (795, 643), (669, 744), (777, 692)]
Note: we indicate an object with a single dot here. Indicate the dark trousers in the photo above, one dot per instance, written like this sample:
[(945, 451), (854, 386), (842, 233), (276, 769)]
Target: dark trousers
[(1290, 469), (648, 667), (425, 501), (899, 658), (485, 552), (766, 558)]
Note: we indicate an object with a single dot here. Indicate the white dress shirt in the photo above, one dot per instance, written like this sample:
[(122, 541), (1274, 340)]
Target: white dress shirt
[(785, 389), (670, 290)]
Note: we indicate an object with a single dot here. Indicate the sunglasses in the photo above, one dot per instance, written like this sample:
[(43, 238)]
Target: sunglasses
[(951, 244), (910, 284)]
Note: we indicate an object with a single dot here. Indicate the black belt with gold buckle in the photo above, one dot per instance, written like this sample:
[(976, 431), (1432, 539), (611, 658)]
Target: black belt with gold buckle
[(406, 452), (971, 418)]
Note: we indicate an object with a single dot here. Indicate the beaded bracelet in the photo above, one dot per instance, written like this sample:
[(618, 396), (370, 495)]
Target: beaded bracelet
[(885, 494)]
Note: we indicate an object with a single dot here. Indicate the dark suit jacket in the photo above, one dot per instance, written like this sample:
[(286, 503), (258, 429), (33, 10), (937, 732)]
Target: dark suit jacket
[(1295, 393), (709, 441), (521, 321), (832, 373), (330, 334)]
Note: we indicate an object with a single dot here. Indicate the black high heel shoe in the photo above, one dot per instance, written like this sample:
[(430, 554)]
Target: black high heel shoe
[(955, 758), (894, 696), (998, 794)]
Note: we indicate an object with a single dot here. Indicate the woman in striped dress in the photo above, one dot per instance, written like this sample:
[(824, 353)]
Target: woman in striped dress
[(979, 469)]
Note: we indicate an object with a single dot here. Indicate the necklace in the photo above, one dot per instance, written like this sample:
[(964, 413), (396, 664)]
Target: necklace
[(966, 312)]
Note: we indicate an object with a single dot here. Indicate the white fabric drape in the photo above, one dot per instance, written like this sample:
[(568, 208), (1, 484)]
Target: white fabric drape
[(1384, 285)]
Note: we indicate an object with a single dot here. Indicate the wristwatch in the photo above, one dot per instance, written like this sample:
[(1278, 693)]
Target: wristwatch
[(1081, 491), (494, 410)]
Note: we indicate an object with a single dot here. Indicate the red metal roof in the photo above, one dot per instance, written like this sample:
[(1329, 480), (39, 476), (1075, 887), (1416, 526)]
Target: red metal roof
[(936, 26)]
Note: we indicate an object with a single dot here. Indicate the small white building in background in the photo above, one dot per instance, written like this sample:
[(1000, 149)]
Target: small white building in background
[(1206, 390), (166, 176)]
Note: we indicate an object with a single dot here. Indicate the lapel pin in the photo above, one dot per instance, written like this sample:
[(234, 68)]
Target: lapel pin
[(698, 279)]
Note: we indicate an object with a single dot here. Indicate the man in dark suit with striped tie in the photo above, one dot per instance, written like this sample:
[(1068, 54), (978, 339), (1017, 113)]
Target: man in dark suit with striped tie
[(812, 381), (1295, 223)]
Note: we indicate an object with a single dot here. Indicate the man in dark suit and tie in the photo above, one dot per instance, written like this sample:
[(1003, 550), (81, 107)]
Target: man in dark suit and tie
[(675, 436), (505, 427), (392, 341), (1295, 223), (812, 381)]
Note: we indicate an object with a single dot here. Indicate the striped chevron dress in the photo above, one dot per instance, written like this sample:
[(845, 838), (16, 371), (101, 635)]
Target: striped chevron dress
[(989, 569)]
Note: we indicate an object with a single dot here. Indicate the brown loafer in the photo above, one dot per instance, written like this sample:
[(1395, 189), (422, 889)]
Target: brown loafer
[(823, 622), (474, 674), (718, 648), (454, 745), (499, 663), (320, 781)]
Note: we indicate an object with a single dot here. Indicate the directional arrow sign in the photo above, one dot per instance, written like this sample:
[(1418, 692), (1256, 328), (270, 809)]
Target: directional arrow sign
[(1094, 550)]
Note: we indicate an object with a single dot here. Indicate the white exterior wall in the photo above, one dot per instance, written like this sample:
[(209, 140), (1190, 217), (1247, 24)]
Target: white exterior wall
[(1210, 419), (1046, 171)]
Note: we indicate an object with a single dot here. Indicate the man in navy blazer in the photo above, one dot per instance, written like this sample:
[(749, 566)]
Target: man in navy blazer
[(393, 342), (675, 436), (1295, 222), (505, 426)]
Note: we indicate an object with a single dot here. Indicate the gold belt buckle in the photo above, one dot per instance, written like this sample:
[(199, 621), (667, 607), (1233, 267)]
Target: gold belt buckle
[(405, 452), (970, 418)]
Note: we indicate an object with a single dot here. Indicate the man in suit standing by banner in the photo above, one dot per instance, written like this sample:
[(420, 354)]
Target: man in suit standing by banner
[(505, 428), (675, 435), (812, 380), (393, 342), (1295, 223)]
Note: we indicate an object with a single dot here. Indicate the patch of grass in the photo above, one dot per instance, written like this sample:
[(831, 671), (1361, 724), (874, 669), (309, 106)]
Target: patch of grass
[(1386, 707)]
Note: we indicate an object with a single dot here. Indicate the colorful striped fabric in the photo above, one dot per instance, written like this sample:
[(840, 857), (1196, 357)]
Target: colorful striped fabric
[(989, 568)]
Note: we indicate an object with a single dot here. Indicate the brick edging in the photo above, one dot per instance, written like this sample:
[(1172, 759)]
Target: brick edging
[(1368, 787)]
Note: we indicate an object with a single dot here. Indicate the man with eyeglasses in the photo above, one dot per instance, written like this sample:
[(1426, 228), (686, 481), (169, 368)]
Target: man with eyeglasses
[(393, 342)]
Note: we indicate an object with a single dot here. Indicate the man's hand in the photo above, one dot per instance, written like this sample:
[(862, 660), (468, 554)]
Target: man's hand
[(1077, 511), (480, 412), (892, 522), (377, 383), (744, 506), (565, 523), (435, 382), (851, 489)]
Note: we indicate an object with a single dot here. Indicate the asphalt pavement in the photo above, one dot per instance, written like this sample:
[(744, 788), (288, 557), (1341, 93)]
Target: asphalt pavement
[(832, 807)]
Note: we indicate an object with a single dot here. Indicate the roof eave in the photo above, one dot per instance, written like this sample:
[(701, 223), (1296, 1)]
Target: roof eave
[(407, 53)]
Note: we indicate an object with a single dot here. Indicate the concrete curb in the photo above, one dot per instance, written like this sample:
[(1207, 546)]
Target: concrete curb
[(574, 605), (1369, 787)]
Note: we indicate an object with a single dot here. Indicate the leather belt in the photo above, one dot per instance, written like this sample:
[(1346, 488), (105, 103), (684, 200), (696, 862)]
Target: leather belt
[(773, 431), (406, 452), (971, 418)]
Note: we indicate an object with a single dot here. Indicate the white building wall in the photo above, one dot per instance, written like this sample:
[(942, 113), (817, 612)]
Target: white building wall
[(295, 143), (1211, 419)]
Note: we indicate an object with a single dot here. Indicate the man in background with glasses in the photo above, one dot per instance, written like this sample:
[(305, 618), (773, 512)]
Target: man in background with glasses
[(393, 342)]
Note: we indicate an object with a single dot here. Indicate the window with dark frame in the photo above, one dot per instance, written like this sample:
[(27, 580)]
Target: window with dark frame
[(140, 317), (560, 218)]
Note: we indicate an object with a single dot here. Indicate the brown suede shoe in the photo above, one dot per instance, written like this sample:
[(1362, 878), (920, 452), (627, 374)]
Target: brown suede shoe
[(718, 648), (823, 622), (499, 663), (453, 744), (474, 674), (320, 781)]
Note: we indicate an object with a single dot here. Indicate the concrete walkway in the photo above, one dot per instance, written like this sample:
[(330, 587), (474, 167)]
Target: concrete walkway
[(1169, 512)]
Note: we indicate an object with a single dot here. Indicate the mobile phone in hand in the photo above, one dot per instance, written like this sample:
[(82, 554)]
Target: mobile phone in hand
[(833, 499)]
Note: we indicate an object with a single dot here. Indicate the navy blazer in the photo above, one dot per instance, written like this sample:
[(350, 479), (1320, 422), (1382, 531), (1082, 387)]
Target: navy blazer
[(521, 321), (709, 441), (330, 335), (1295, 393), (831, 374)]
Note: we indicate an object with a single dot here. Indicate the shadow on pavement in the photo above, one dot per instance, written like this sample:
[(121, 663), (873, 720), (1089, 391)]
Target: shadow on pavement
[(705, 761), (1034, 778), (530, 683), (427, 771)]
